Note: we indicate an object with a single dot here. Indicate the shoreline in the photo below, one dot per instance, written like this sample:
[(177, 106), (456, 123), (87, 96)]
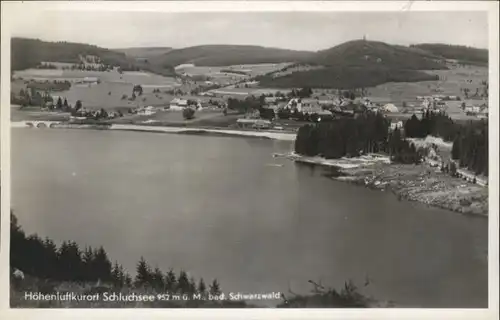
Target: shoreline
[(282, 136), (419, 183)]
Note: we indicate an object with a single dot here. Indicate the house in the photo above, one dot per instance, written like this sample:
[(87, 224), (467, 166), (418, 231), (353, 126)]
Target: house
[(178, 103), (294, 103), (389, 108), (483, 112), (472, 109), (269, 100), (90, 80), (253, 123), (147, 111), (396, 125), (324, 115), (426, 104)]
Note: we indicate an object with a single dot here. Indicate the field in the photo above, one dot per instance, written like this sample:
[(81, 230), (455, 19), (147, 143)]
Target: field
[(106, 94), (222, 75), (450, 82), (113, 85)]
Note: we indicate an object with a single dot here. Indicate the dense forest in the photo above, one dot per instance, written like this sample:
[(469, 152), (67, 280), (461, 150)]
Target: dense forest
[(464, 55), (470, 141), (470, 147), (344, 77), (369, 133), (351, 137), (437, 124)]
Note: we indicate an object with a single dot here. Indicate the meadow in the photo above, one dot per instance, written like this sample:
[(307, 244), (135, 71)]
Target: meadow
[(450, 82)]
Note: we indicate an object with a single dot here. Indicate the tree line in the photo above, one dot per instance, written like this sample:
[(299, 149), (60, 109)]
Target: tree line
[(470, 147), (344, 77), (43, 259), (350, 137), (470, 141), (437, 124)]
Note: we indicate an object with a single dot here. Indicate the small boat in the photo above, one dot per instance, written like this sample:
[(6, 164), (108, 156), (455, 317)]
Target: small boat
[(274, 165)]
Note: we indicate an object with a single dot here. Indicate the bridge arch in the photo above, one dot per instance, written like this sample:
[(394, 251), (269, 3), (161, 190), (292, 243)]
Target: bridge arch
[(30, 124), (41, 125)]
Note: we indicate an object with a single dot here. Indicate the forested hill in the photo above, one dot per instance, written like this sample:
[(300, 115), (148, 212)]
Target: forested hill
[(465, 55), (224, 55), (363, 53), (28, 53), (360, 63)]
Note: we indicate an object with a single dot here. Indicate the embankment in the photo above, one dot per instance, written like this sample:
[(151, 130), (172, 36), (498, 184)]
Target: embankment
[(160, 129)]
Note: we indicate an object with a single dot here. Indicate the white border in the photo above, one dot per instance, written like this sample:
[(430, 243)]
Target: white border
[(8, 12)]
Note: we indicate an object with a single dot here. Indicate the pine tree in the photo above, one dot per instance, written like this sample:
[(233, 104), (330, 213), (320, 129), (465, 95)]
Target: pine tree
[(128, 280), (215, 288), (51, 259), (102, 265), (202, 288), (59, 103), (157, 279), (115, 274), (121, 276), (183, 282), (170, 281), (143, 275), (192, 286), (64, 261), (88, 267)]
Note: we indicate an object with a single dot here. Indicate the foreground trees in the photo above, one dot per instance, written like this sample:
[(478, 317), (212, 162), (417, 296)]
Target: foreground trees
[(44, 260)]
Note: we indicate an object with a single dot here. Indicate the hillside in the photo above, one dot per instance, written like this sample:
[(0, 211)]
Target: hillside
[(27, 53), (360, 63), (145, 52), (361, 53), (465, 55), (344, 77), (224, 55)]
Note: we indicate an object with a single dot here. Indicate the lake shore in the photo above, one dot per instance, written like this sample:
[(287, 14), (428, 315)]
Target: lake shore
[(421, 183), (275, 135)]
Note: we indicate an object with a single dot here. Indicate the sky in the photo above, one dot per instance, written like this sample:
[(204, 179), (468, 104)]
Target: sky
[(290, 30)]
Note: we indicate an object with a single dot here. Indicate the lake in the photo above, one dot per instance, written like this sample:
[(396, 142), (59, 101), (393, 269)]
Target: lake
[(222, 207)]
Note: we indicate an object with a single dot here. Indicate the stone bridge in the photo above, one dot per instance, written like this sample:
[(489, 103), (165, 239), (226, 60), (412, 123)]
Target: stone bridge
[(38, 124)]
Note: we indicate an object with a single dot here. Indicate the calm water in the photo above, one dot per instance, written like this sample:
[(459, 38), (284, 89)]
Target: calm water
[(217, 207)]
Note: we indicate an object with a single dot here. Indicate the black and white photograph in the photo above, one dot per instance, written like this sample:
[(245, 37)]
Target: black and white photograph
[(248, 159)]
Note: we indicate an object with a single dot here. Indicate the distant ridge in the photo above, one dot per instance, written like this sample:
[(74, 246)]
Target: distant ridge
[(358, 64), (224, 55), (464, 54), (28, 53), (353, 64), (359, 53)]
